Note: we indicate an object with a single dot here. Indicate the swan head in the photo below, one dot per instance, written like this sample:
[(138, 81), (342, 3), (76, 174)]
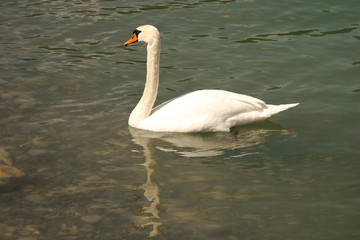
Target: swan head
[(145, 33)]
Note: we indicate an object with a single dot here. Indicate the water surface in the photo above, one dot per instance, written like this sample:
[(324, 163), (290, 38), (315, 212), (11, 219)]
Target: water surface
[(68, 85)]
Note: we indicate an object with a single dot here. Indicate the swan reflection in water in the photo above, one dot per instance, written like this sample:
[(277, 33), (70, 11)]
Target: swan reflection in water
[(193, 145), (150, 214)]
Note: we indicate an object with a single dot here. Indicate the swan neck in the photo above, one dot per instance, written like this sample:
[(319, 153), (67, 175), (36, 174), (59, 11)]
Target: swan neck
[(144, 107), (152, 73)]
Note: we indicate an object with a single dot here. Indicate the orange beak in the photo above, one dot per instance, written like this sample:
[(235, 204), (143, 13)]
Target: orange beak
[(131, 40)]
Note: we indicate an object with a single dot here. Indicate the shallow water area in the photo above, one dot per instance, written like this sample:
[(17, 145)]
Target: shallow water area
[(70, 167)]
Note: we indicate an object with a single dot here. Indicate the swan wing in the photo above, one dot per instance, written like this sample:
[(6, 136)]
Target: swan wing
[(205, 110)]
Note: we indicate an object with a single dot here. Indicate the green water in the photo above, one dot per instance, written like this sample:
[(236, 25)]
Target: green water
[(68, 85)]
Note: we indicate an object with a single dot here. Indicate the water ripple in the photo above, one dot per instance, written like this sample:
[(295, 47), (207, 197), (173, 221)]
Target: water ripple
[(309, 32), (67, 87)]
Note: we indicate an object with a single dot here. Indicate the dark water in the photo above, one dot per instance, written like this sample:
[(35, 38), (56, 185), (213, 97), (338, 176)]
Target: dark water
[(67, 87)]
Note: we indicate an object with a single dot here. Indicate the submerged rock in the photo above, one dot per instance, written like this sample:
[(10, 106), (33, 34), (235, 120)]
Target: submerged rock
[(9, 172), (8, 177)]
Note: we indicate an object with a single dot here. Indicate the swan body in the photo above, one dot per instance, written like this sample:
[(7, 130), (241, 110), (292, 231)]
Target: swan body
[(198, 111)]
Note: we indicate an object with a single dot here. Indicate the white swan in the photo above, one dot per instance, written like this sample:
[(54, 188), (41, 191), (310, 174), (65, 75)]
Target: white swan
[(198, 111)]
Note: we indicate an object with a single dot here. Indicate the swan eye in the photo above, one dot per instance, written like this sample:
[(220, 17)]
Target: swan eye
[(137, 32)]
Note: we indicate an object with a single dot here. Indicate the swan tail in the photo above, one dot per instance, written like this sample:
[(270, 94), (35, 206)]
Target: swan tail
[(274, 109)]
